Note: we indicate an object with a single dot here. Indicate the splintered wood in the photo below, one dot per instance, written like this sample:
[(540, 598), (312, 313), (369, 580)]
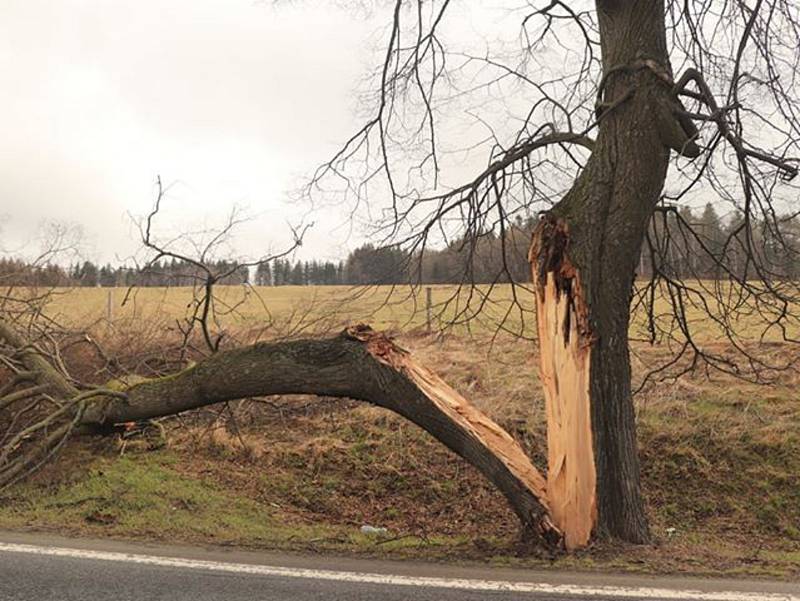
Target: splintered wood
[(480, 425), (465, 416), (564, 365)]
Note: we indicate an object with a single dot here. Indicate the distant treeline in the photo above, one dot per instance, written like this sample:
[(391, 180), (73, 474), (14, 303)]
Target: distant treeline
[(703, 245), (87, 273), (487, 257)]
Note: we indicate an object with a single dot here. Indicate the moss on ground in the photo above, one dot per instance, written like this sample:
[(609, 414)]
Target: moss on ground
[(140, 496)]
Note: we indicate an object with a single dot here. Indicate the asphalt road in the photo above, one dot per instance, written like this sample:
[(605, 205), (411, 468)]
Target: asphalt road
[(44, 568)]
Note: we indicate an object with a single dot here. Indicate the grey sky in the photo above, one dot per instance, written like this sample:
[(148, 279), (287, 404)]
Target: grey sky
[(231, 101), (234, 100)]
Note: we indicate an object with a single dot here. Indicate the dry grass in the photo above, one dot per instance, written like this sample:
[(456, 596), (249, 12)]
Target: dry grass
[(317, 308), (720, 467), (720, 462)]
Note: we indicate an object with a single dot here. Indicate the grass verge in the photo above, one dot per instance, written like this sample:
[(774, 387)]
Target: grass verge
[(720, 468)]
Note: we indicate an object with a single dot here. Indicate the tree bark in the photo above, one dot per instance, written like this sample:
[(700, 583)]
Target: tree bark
[(359, 364), (583, 257), (44, 373)]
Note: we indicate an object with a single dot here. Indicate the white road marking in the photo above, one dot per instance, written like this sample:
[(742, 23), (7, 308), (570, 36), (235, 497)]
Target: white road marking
[(388, 579)]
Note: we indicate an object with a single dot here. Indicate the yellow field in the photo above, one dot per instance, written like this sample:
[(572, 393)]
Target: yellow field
[(316, 308), (238, 306)]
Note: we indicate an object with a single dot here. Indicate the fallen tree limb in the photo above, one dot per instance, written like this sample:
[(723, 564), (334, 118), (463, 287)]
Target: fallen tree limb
[(38, 367), (359, 364)]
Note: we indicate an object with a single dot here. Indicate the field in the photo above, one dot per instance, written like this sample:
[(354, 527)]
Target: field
[(466, 311), (400, 308), (720, 457)]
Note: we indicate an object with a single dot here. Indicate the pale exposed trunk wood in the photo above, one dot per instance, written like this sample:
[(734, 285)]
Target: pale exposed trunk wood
[(359, 364), (462, 412), (564, 370)]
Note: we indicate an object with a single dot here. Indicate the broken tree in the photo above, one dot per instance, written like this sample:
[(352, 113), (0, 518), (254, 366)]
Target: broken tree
[(607, 113), (584, 257), (359, 364)]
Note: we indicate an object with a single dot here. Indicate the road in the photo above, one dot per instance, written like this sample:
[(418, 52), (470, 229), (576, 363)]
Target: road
[(47, 568)]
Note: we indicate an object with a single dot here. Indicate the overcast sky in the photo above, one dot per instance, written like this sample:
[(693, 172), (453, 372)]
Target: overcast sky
[(233, 101)]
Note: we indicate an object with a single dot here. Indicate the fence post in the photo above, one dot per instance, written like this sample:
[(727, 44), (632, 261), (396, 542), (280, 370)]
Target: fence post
[(428, 309), (109, 306)]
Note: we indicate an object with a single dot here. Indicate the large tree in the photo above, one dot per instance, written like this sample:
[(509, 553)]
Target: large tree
[(581, 119)]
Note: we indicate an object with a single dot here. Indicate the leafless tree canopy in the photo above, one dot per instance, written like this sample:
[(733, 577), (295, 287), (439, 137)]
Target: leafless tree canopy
[(206, 308), (466, 132)]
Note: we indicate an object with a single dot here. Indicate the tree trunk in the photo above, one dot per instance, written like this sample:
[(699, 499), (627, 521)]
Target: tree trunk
[(362, 365), (583, 257)]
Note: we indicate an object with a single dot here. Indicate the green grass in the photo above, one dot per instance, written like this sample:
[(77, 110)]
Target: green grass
[(719, 463), (144, 497), (147, 497)]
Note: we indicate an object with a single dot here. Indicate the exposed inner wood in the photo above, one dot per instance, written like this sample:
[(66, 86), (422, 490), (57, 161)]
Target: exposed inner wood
[(464, 414), (565, 350)]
